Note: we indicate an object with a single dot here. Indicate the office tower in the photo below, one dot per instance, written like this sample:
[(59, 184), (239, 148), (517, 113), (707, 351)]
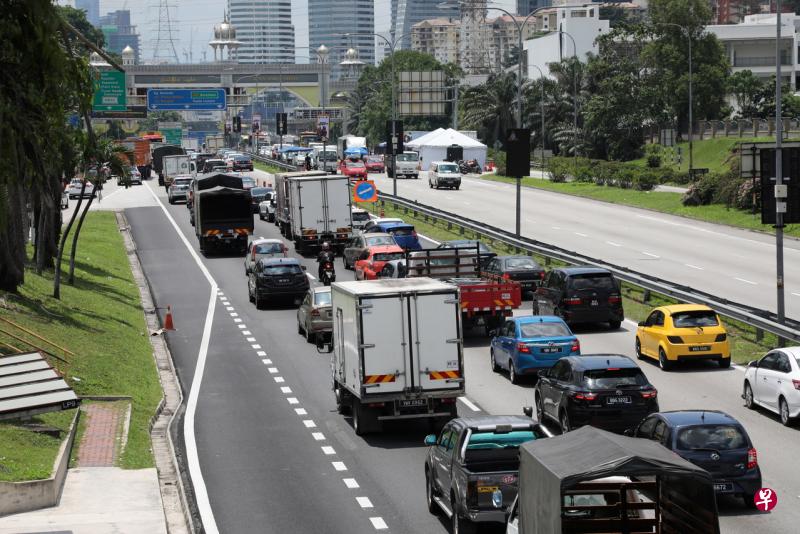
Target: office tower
[(406, 13), (265, 30), (340, 25)]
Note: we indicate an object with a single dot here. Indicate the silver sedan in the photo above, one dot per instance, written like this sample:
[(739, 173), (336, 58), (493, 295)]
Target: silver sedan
[(314, 314)]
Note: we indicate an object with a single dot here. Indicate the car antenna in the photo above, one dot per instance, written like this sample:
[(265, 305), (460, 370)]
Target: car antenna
[(703, 416)]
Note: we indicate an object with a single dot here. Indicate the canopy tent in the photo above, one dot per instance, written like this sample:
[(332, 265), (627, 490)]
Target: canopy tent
[(356, 151), (433, 147), (550, 466), (286, 149)]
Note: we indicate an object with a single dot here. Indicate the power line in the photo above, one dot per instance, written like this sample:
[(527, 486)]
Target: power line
[(166, 34)]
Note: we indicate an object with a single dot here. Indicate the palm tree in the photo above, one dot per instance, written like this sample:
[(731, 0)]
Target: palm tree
[(491, 106)]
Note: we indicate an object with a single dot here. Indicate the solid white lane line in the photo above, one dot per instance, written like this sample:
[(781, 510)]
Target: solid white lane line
[(350, 483), (279, 379), (650, 254), (746, 281), (319, 436), (694, 267), (469, 404), (192, 458), (309, 423), (339, 466), (378, 523), (328, 450), (286, 389), (580, 234), (300, 411), (613, 244), (364, 502)]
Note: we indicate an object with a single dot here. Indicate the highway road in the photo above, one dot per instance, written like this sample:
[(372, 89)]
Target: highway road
[(276, 457), (721, 260)]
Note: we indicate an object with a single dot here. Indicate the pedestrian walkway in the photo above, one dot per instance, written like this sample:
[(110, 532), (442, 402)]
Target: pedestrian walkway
[(103, 434)]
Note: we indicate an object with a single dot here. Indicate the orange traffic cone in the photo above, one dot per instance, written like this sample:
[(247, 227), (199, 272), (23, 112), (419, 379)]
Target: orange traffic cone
[(168, 320), (383, 214)]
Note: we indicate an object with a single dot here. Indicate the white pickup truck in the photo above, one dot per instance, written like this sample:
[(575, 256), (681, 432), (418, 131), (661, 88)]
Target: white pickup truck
[(397, 350)]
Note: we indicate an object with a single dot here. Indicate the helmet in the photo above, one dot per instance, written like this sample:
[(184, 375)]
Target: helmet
[(326, 246)]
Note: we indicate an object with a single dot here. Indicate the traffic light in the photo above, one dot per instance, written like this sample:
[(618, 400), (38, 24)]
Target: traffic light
[(237, 124), (280, 124), (518, 152), (394, 143)]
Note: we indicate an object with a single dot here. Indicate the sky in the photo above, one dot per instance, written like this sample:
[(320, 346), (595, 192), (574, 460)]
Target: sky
[(194, 22)]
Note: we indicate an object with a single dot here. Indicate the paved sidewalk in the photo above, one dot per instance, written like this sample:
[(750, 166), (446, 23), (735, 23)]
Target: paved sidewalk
[(99, 444)]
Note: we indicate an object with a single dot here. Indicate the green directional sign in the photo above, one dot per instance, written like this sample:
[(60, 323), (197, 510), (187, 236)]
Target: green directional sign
[(109, 91)]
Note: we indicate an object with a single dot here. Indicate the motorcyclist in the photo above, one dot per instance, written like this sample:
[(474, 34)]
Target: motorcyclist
[(325, 255)]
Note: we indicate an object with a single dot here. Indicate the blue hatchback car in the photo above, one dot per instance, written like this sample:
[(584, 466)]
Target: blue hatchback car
[(403, 233), (523, 345)]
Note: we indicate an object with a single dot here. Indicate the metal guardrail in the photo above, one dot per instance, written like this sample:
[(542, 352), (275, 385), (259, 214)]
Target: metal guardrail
[(760, 319), (274, 163)]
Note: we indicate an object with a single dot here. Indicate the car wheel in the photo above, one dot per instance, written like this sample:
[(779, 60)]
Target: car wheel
[(539, 408), (430, 184), (300, 328), (614, 325), (784, 412), (663, 362), (724, 363), (563, 422), (257, 300), (311, 337), (429, 494), (748, 396), (638, 349), (457, 187), (495, 367), (512, 373)]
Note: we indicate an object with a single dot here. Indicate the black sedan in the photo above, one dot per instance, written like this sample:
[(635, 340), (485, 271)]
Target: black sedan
[(712, 440), (276, 278), (242, 163), (522, 269), (607, 391)]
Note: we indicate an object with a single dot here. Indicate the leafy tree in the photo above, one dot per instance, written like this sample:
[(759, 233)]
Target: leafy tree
[(77, 18), (490, 108), (748, 91), (150, 124)]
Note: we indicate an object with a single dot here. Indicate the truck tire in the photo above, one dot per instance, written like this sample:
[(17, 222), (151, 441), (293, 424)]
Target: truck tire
[(365, 420), (461, 525), (342, 406)]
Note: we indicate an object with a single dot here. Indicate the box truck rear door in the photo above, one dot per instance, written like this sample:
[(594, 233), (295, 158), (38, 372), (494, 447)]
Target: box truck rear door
[(384, 338), (436, 341)]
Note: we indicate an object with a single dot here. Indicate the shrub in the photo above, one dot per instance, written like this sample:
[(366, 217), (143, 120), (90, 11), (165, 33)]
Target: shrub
[(557, 169), (604, 172), (744, 196), (583, 169), (654, 161), (625, 176), (645, 179)]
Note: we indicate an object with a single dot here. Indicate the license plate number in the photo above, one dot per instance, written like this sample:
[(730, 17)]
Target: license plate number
[(550, 350), (594, 302), (505, 296), (703, 348), (723, 486), (413, 403), (618, 400)]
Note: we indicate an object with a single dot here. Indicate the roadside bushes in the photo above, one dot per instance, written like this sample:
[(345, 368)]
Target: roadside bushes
[(601, 172)]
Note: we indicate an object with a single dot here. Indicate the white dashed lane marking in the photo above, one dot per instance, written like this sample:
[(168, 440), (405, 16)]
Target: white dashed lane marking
[(286, 389), (613, 244), (580, 234), (339, 466), (689, 265), (319, 436), (364, 502), (309, 423), (378, 523), (272, 370), (351, 483), (279, 379), (469, 404), (746, 281), (650, 254), (300, 411), (328, 450)]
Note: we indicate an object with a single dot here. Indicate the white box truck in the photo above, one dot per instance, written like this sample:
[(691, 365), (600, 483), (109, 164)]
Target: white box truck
[(397, 350), (407, 165), (175, 165), (319, 211)]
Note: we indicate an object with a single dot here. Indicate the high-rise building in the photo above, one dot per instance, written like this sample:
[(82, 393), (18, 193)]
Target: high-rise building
[(525, 7), (265, 30), (340, 25), (92, 9), (437, 37), (406, 13), (119, 32)]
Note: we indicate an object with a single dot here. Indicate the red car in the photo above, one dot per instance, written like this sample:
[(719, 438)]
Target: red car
[(355, 170), (374, 260), (374, 164)]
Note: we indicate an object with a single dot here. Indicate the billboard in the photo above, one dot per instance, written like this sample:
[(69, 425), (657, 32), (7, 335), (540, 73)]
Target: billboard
[(422, 93), (186, 99)]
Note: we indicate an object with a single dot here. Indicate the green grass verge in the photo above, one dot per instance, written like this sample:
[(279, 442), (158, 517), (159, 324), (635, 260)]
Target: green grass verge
[(99, 319), (712, 154), (745, 342), (660, 201), (29, 455), (266, 167)]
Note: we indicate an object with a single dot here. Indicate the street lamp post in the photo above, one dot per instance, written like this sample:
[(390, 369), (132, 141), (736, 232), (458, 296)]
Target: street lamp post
[(541, 74), (322, 59), (780, 202)]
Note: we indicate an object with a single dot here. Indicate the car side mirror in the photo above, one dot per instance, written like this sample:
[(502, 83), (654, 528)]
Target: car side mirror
[(643, 323), (430, 439), (753, 363), (528, 410), (303, 267), (628, 432), (364, 255), (323, 346)]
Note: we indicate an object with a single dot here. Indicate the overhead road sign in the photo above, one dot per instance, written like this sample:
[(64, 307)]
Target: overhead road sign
[(109, 91), (365, 191), (186, 99)]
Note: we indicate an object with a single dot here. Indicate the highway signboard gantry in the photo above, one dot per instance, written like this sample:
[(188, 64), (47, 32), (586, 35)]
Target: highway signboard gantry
[(109, 91), (186, 99)]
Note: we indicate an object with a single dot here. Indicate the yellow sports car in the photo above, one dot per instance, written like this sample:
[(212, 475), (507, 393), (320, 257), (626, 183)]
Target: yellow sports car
[(683, 332)]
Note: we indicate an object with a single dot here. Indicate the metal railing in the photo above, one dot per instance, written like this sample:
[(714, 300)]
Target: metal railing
[(763, 320), (273, 162)]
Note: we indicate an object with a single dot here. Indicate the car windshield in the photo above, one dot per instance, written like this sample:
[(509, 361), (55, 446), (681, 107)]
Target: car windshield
[(259, 191), (242, 158), (248, 182), (322, 298), (521, 263), (402, 230), (269, 248), (355, 165), (694, 319), (389, 256), (271, 270), (375, 159), (592, 281), (504, 440), (719, 437), (544, 330), (448, 168), (359, 216), (613, 378), (407, 157), (380, 240)]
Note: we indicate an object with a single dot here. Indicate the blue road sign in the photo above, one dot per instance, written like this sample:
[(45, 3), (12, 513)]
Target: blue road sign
[(185, 99), (365, 191)]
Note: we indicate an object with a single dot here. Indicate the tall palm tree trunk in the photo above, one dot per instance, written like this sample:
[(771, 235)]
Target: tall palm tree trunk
[(71, 276)]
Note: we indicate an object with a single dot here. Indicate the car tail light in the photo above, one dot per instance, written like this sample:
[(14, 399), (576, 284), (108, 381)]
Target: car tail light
[(752, 459), (506, 276), (541, 275), (376, 404), (576, 346), (614, 299), (449, 400), (582, 395), (796, 384), (675, 339), (720, 338), (522, 347), (315, 312), (652, 394), (572, 301)]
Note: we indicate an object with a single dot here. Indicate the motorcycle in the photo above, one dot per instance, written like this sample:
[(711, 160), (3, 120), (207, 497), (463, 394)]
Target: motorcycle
[(328, 274)]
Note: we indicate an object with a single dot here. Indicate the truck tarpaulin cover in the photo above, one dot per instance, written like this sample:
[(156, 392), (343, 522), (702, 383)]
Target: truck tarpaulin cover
[(165, 150), (219, 180), (550, 466)]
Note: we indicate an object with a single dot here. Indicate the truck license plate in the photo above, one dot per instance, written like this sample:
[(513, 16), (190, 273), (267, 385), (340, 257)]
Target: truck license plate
[(700, 348), (413, 403)]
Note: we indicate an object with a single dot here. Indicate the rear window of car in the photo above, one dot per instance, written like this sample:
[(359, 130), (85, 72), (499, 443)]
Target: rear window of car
[(248, 182), (504, 440), (355, 165), (375, 159), (389, 256), (380, 240), (269, 248), (183, 181), (592, 281), (402, 230), (259, 191), (360, 216), (522, 263), (407, 157), (693, 319), (323, 298), (719, 437), (241, 158), (613, 378), (544, 330), (282, 269)]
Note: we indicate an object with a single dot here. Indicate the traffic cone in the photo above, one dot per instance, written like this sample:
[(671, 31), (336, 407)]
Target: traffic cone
[(383, 214), (168, 320)]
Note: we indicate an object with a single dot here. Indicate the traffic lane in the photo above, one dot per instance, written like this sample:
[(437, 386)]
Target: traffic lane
[(388, 467), (702, 385), (714, 258)]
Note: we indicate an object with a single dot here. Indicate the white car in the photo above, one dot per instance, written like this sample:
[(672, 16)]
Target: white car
[(359, 218), (773, 382), (74, 189), (444, 174), (179, 188), (135, 176), (263, 248), (266, 210)]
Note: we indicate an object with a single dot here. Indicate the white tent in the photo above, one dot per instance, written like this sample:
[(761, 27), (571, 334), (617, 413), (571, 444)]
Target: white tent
[(433, 147)]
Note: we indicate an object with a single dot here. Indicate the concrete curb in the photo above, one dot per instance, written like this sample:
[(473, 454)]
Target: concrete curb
[(17, 497), (173, 493)]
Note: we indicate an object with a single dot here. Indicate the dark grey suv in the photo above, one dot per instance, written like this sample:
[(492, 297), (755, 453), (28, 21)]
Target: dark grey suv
[(276, 278)]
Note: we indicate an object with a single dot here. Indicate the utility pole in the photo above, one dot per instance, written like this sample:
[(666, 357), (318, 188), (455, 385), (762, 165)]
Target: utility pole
[(780, 196)]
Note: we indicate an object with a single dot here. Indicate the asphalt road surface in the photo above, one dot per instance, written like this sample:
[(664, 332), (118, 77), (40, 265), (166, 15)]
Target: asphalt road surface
[(727, 262), (275, 455)]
